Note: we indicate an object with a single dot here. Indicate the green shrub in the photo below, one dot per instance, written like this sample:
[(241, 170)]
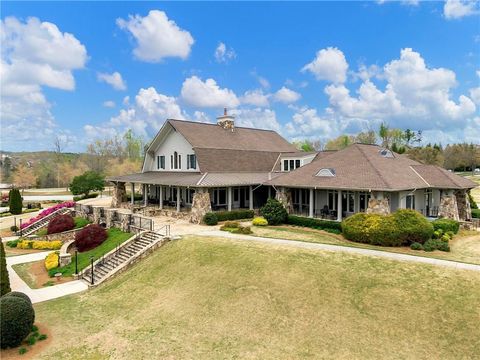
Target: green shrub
[(15, 202), (42, 337), (245, 230), (14, 228), (21, 296), (234, 215), (83, 197), (437, 234), (473, 203), (435, 244), (16, 320), (446, 225), (259, 221), (445, 238), (31, 340), (210, 218), (22, 350), (476, 213), (327, 225), (372, 229), (274, 212), (4, 279), (451, 234), (230, 225), (13, 243), (412, 226), (416, 246)]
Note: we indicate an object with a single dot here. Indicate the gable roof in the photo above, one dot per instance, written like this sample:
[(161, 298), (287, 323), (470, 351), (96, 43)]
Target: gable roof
[(213, 136), (362, 167)]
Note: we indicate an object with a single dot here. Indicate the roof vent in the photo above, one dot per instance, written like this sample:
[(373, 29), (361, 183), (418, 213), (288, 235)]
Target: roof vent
[(226, 121), (327, 172), (386, 153)]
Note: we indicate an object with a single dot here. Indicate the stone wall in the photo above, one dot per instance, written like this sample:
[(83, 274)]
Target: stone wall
[(284, 196), (463, 204), (448, 207), (119, 192), (378, 206), (200, 206), (63, 236)]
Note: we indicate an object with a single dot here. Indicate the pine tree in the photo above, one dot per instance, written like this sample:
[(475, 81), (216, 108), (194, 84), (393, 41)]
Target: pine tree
[(4, 280), (15, 202)]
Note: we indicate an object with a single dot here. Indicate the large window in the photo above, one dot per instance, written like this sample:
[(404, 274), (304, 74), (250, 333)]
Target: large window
[(410, 202), (292, 164), (161, 162), (220, 196), (191, 161), (332, 200), (176, 161)]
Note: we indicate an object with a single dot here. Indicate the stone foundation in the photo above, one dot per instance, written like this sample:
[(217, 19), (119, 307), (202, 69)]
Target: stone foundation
[(378, 206), (119, 192), (284, 196), (200, 206), (463, 204), (448, 207)]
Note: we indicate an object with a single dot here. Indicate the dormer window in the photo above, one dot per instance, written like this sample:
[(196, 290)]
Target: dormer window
[(191, 161), (386, 153), (291, 164), (326, 172)]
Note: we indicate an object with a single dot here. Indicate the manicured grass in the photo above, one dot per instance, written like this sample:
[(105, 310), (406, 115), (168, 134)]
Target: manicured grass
[(22, 270), (464, 247), (80, 222), (115, 237), (209, 298)]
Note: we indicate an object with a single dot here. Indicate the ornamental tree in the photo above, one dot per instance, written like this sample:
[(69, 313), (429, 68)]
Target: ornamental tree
[(89, 181)]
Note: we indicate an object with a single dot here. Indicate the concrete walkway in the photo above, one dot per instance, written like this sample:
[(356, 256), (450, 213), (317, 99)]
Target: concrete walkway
[(43, 294), (352, 250)]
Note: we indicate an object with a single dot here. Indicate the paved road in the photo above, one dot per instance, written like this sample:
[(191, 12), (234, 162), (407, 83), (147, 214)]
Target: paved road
[(43, 294), (317, 246)]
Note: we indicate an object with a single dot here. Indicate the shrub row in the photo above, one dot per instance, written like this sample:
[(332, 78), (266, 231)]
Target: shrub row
[(83, 197), (39, 244), (400, 228), (212, 218), (327, 225), (236, 228)]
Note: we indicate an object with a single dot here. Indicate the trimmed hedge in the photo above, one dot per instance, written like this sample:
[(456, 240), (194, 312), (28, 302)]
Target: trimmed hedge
[(15, 202), (372, 229), (210, 218), (412, 226), (60, 224), (16, 320), (446, 225), (20, 295), (90, 237), (327, 225), (234, 215)]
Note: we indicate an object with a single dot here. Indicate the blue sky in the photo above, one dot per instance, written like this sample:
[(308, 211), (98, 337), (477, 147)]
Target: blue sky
[(87, 70)]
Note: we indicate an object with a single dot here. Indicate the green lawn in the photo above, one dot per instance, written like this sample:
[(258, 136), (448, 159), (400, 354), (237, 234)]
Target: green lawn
[(115, 237), (209, 298), (465, 247)]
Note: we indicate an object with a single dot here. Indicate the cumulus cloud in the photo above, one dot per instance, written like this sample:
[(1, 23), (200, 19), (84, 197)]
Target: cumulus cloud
[(413, 92), (255, 97), (109, 104), (286, 95), (475, 95), (223, 54), (329, 64), (257, 118), (34, 54), (456, 9), (115, 80), (207, 94), (157, 37), (306, 122)]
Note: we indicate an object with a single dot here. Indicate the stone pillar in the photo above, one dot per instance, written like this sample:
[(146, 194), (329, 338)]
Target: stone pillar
[(310, 204), (178, 199), (463, 204), (229, 198), (161, 197), (378, 204), (284, 196), (119, 193), (250, 196), (96, 214), (132, 195), (448, 206), (200, 205), (124, 221), (339, 206), (109, 214)]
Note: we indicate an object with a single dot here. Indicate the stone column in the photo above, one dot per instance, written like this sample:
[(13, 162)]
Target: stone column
[(284, 196), (200, 205), (161, 197), (109, 214), (132, 195), (378, 204), (250, 196), (463, 204), (310, 204), (119, 193), (339, 206), (229, 198), (96, 214)]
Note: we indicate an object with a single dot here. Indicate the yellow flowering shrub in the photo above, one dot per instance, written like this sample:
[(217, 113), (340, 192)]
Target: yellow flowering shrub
[(51, 261), (259, 221), (39, 244)]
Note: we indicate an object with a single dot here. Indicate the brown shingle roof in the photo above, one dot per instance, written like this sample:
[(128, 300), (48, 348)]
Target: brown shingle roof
[(221, 160), (213, 136), (362, 167)]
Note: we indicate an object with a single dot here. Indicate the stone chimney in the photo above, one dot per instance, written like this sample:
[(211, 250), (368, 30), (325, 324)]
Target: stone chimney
[(226, 121)]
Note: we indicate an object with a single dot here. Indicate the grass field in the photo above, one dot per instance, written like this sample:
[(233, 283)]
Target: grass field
[(465, 247), (208, 298)]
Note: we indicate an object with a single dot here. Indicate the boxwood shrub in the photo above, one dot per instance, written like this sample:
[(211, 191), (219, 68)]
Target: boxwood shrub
[(412, 226), (234, 215), (16, 320), (372, 229), (327, 225), (446, 225), (274, 212), (210, 218)]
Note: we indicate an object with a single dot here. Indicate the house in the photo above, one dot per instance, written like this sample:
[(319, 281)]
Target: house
[(192, 168)]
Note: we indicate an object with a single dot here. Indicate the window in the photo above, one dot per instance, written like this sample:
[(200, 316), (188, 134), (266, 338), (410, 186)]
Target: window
[(191, 161), (351, 202), (171, 161), (326, 172), (179, 161), (161, 162), (386, 153), (285, 165), (291, 164), (332, 200), (363, 201), (176, 161), (190, 193), (297, 164), (410, 202), (222, 196), (236, 194)]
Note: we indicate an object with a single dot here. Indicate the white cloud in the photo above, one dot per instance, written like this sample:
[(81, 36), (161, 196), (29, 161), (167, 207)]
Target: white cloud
[(329, 64), (257, 118), (264, 83), (307, 123), (157, 37), (403, 2), (115, 80), (109, 104), (255, 97), (34, 54), (286, 95), (456, 9), (126, 100), (415, 96), (208, 94), (475, 95), (223, 54)]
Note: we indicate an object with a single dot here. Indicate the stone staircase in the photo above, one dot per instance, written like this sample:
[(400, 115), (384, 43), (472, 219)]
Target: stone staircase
[(122, 257), (37, 225)]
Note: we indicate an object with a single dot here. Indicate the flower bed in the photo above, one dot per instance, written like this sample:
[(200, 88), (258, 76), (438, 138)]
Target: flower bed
[(66, 204)]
